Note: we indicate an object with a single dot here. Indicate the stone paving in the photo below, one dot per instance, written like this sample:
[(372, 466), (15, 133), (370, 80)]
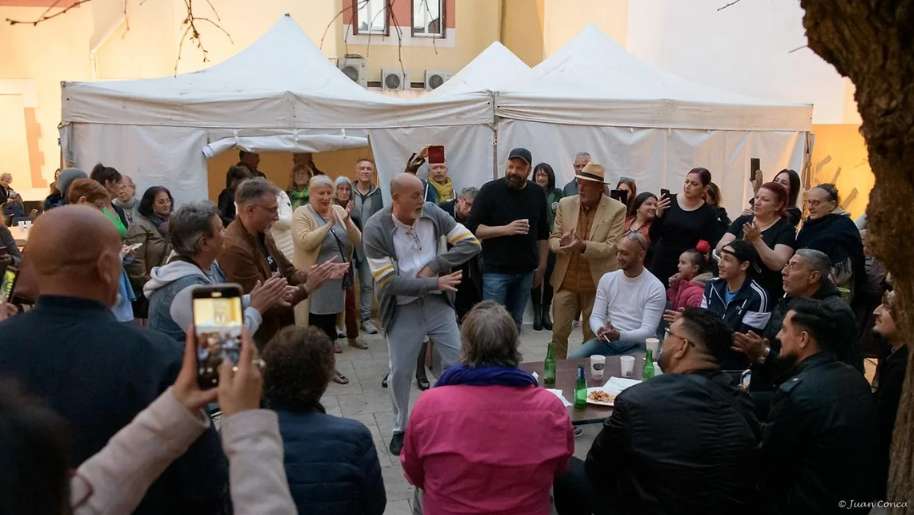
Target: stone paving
[(364, 399)]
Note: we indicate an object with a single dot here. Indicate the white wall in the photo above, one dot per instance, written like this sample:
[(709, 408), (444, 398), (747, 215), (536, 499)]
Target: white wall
[(744, 48)]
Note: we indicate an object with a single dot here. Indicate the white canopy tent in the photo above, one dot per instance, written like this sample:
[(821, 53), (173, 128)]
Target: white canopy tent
[(493, 69), (639, 122), (280, 93)]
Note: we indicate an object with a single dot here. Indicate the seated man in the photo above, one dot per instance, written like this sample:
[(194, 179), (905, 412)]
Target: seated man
[(736, 297), (805, 277), (684, 442), (820, 446), (628, 305)]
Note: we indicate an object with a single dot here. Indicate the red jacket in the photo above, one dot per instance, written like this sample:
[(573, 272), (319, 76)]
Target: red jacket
[(687, 294), (487, 449)]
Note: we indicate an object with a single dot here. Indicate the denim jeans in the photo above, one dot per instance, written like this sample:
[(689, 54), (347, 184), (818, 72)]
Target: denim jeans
[(603, 348), (510, 290)]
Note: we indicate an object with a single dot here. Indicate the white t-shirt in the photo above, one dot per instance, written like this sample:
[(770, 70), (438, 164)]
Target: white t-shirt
[(634, 305)]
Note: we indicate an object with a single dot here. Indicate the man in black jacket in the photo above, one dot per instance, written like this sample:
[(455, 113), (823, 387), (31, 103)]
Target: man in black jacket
[(685, 442), (805, 277), (94, 371), (820, 446)]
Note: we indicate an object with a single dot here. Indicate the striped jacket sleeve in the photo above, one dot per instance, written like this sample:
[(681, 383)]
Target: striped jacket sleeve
[(463, 244), (758, 311)]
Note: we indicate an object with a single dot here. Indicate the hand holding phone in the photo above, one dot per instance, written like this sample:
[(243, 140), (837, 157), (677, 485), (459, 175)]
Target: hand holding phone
[(218, 323)]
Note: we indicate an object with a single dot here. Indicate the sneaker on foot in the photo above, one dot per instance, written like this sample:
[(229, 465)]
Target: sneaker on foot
[(369, 327), (396, 444)]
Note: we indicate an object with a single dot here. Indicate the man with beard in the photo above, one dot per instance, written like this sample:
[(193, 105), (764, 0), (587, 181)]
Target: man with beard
[(509, 217), (685, 442), (805, 277), (820, 446)]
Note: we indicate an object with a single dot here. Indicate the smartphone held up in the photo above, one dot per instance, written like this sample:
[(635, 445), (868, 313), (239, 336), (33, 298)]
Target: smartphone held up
[(218, 322)]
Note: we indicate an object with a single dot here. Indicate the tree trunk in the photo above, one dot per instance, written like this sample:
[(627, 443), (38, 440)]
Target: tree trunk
[(871, 42)]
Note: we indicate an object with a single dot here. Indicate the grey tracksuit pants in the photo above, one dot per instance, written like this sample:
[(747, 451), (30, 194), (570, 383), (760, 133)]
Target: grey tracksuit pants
[(428, 316)]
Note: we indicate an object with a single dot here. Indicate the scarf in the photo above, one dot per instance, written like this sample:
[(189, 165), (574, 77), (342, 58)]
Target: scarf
[(160, 223), (445, 190), (485, 376)]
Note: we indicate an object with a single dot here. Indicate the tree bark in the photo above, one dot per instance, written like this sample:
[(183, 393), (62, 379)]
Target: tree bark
[(871, 42)]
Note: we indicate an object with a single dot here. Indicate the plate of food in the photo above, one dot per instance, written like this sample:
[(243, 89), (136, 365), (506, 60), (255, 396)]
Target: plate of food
[(599, 397)]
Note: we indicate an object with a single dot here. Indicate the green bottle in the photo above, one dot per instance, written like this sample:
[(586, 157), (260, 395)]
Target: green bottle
[(648, 371), (580, 390), (549, 367)]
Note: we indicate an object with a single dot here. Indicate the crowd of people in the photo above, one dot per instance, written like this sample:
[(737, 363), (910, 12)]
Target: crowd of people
[(762, 406)]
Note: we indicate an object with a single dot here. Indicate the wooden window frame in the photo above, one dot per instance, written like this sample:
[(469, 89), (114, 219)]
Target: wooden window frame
[(355, 20), (442, 17)]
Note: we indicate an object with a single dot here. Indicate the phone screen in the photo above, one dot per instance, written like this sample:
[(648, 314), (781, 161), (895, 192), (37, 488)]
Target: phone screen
[(755, 165), (435, 154), (218, 321), (8, 283), (664, 192), (620, 195)]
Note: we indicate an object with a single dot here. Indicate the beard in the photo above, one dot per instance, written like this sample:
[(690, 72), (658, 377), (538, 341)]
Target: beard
[(783, 366), (515, 182)]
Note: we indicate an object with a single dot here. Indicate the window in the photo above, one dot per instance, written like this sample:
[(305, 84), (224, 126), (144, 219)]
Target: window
[(428, 18), (370, 17)]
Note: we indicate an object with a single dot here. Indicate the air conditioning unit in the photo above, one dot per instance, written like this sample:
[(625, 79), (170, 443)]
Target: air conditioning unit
[(435, 78), (393, 80), (353, 66)]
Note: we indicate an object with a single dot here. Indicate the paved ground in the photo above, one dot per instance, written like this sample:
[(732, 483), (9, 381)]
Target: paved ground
[(364, 399)]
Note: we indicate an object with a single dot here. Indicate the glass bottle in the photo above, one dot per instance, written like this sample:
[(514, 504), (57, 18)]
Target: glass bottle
[(580, 390), (648, 371), (549, 367)]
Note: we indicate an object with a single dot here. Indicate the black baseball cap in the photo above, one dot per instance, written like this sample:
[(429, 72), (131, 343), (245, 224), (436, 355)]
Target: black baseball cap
[(521, 153), (743, 251)]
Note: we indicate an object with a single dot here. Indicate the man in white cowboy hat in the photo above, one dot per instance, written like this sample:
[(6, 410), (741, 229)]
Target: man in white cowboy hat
[(588, 226)]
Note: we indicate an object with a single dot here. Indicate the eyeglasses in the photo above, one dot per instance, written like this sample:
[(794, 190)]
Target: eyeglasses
[(674, 335)]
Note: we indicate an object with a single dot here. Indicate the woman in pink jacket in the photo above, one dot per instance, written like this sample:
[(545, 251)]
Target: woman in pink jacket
[(35, 479), (486, 439)]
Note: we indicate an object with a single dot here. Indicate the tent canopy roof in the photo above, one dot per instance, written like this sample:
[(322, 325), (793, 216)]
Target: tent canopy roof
[(492, 70), (280, 81), (592, 80)]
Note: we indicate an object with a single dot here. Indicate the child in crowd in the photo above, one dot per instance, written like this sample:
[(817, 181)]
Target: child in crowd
[(688, 285)]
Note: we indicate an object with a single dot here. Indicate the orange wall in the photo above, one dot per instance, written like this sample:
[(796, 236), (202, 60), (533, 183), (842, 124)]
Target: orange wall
[(840, 157)]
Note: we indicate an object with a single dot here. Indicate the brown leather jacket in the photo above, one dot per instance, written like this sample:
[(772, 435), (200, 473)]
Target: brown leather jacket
[(245, 263)]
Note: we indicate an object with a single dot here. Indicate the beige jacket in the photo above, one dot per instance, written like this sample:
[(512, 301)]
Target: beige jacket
[(605, 233), (114, 481), (308, 235)]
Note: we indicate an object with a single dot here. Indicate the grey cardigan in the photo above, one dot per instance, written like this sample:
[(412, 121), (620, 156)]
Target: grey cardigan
[(378, 238)]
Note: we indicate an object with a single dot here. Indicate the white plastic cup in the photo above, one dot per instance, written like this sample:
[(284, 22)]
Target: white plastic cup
[(653, 345), (597, 365), (628, 365)]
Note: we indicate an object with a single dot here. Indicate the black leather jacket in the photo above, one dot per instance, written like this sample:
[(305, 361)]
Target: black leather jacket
[(820, 445), (677, 444)]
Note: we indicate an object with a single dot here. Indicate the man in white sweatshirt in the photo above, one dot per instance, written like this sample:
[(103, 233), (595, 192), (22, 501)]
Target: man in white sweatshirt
[(628, 306)]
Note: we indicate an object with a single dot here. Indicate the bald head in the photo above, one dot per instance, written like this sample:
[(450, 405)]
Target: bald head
[(74, 251), (408, 195), (404, 182)]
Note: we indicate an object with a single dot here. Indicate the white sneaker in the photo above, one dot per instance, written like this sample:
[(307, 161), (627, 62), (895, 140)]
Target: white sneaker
[(369, 327)]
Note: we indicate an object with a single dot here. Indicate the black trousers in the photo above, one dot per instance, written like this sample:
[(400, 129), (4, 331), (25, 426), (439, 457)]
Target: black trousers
[(326, 323)]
